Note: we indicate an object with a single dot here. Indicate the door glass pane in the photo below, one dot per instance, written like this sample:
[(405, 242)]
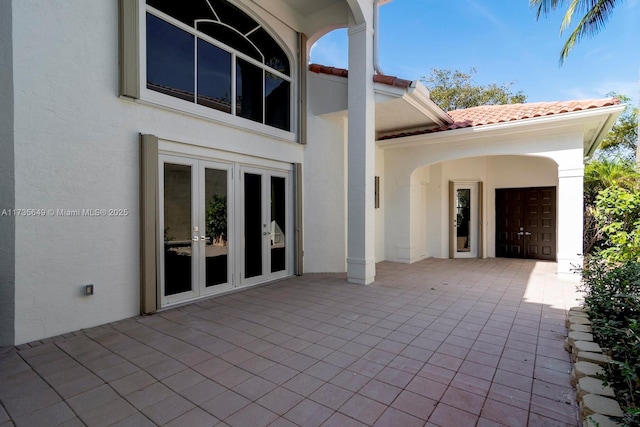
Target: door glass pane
[(463, 219), (278, 226), (253, 225), (170, 59), (216, 212), (177, 229)]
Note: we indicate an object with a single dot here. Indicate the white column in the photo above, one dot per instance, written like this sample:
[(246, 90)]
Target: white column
[(361, 157), (570, 219)]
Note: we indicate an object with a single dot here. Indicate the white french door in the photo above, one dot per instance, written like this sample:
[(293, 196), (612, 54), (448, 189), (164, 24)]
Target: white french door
[(197, 228), (265, 225), (222, 225)]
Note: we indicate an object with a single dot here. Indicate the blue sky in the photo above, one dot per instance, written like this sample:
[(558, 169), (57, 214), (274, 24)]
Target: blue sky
[(503, 41)]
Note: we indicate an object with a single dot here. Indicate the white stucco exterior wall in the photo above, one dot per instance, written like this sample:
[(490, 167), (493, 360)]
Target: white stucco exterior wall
[(325, 195), (77, 147)]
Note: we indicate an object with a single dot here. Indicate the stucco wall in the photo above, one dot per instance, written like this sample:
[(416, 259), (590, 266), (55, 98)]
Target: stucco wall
[(325, 193), (77, 147), (7, 179)]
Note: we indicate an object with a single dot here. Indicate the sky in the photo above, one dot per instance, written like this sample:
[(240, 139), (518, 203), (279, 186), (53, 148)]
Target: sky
[(505, 43)]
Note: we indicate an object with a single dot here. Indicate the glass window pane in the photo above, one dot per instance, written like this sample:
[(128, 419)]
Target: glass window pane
[(170, 59), (274, 56), (177, 229), (232, 16), (214, 77), (278, 224), (277, 102), (186, 12), (230, 37), (463, 219), (249, 92), (216, 212), (252, 225)]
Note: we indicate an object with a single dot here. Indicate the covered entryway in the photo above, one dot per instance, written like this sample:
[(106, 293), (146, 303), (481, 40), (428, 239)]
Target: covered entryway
[(526, 223)]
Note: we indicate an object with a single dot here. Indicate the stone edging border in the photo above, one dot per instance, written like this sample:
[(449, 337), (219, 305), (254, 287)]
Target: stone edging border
[(596, 401)]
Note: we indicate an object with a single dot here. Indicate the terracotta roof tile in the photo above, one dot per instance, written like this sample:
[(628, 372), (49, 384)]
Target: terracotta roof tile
[(378, 78), (492, 114)]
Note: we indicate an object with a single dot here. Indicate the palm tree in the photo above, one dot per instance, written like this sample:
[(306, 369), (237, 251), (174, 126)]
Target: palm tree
[(596, 14)]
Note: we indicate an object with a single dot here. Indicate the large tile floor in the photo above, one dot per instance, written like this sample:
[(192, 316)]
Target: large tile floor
[(436, 343)]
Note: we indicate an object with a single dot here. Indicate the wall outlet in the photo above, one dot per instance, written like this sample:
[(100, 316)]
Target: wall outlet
[(88, 289)]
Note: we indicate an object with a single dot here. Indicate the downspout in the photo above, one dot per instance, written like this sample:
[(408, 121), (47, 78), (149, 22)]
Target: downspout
[(376, 39)]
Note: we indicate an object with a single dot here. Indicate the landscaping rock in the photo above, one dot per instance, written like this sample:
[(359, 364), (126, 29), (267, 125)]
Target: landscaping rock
[(579, 328), (589, 385), (594, 404), (587, 356), (579, 336), (599, 420), (579, 346), (579, 314), (578, 320), (585, 369), (578, 310)]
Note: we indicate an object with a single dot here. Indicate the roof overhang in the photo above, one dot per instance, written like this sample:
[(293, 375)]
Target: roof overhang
[(594, 124), (406, 108)]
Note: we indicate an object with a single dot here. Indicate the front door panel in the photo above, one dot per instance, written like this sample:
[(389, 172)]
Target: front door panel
[(526, 223)]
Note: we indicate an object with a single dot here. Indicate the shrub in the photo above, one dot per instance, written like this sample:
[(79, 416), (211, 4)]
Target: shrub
[(612, 294), (618, 214)]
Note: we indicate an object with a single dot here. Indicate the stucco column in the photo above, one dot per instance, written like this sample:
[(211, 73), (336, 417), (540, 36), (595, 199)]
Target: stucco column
[(361, 157), (570, 219)]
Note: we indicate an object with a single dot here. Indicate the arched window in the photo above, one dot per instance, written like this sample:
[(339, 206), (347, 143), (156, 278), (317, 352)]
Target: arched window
[(211, 53)]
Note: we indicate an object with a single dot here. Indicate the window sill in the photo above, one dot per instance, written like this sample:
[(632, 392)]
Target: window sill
[(185, 108)]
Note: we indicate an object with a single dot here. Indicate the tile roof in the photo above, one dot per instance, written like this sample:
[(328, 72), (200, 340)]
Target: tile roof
[(378, 78), (493, 114)]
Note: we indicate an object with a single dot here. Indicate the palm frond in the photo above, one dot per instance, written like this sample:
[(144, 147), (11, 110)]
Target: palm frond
[(593, 21), (545, 6)]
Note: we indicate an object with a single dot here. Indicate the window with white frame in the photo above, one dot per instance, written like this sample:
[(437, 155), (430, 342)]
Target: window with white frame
[(211, 53)]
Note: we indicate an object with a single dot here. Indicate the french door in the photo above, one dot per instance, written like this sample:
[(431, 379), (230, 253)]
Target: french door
[(265, 225), (526, 223), (197, 228), (223, 226)]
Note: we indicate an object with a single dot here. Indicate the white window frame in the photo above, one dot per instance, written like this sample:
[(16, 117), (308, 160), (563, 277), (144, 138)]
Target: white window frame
[(192, 108)]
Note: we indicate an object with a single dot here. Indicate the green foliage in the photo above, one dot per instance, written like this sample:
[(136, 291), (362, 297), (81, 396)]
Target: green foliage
[(599, 175), (596, 13), (605, 172), (618, 214), (455, 89), (217, 218), (612, 295), (622, 140)]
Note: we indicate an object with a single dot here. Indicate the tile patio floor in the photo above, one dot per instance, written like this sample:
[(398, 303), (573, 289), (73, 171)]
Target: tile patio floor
[(436, 343)]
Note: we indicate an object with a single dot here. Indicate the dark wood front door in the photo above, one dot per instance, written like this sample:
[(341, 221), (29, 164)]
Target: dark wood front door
[(526, 223)]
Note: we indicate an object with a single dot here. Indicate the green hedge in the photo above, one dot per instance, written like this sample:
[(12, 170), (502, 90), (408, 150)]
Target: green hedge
[(612, 296)]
